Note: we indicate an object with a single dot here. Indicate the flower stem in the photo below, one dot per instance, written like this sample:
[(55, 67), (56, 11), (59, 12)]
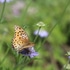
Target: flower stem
[(37, 35), (4, 57), (3, 10), (57, 22), (25, 12)]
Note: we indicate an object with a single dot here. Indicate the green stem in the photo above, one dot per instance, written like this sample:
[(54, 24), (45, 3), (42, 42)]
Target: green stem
[(25, 13), (57, 22), (3, 10), (37, 34), (4, 57), (20, 62)]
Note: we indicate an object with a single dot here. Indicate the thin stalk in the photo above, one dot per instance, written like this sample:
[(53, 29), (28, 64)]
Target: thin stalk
[(20, 62), (4, 57), (25, 12), (3, 10), (37, 34), (57, 22)]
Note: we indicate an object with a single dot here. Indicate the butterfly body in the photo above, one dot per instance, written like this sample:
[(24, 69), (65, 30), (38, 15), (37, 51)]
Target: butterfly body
[(21, 40)]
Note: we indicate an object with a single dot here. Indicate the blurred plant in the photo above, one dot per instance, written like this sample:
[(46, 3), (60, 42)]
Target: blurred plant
[(25, 60), (2, 10), (67, 66), (2, 1), (32, 10), (40, 24), (17, 7)]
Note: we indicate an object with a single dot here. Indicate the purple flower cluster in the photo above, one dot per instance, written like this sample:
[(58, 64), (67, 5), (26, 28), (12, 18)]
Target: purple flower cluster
[(29, 52)]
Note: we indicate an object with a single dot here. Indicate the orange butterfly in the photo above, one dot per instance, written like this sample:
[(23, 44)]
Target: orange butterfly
[(21, 40)]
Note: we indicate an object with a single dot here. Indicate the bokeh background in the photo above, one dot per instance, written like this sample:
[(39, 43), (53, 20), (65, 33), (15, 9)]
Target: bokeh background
[(52, 43)]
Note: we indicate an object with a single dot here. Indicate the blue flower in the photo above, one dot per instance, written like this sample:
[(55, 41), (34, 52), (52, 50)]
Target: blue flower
[(42, 33), (33, 54), (29, 52)]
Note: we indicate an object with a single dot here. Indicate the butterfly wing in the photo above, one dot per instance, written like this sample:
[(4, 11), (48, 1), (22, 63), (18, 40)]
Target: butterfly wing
[(21, 40)]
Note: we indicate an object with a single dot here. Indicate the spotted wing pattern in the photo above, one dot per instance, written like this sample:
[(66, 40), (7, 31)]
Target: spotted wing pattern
[(21, 40)]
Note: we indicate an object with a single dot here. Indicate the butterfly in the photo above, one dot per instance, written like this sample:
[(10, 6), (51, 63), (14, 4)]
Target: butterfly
[(21, 40)]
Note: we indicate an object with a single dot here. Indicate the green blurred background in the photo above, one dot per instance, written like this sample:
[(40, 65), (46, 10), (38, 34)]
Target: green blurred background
[(27, 13)]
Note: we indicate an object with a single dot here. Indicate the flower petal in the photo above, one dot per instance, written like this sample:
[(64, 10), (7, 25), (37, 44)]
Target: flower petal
[(40, 24), (33, 54), (29, 52), (42, 33)]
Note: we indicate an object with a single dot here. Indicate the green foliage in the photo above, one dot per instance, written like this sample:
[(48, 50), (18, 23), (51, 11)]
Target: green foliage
[(27, 13)]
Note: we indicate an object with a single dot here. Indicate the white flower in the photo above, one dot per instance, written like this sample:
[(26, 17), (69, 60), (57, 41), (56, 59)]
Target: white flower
[(68, 53), (40, 24), (42, 33), (67, 66), (4, 1)]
